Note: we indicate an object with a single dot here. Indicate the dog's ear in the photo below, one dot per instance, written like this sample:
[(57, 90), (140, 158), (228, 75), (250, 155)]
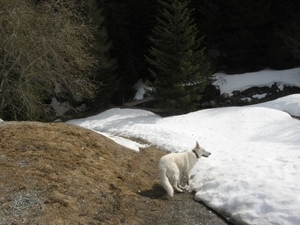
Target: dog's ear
[(197, 144)]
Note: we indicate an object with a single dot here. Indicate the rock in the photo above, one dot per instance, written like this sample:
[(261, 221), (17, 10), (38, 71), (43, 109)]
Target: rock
[(236, 92), (252, 95), (212, 103), (274, 88), (225, 95), (211, 92), (205, 104)]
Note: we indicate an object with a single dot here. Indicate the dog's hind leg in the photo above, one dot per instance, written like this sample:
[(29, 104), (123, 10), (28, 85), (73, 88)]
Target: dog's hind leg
[(165, 182), (183, 188), (177, 189), (176, 181)]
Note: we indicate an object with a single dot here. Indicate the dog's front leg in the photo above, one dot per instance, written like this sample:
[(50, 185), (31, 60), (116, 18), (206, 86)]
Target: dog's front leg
[(188, 187)]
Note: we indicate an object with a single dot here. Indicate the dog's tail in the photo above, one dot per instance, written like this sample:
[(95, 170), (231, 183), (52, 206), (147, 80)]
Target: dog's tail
[(165, 182)]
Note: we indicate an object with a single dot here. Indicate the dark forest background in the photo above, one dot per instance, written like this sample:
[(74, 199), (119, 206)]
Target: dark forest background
[(240, 36), (107, 41)]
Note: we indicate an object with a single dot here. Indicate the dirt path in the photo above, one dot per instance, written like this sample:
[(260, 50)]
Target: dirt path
[(62, 174)]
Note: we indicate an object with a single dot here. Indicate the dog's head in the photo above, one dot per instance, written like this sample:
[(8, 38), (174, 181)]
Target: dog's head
[(199, 151)]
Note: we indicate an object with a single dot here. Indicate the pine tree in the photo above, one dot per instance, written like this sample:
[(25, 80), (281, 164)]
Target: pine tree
[(106, 75), (117, 22), (238, 33), (286, 43), (177, 61)]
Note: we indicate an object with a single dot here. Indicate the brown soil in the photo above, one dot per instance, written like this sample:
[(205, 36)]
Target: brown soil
[(62, 174)]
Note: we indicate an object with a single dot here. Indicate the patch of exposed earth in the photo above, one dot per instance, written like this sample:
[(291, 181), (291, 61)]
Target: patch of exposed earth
[(56, 173)]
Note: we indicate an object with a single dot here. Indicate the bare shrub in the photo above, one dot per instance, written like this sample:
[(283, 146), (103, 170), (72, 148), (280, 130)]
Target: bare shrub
[(45, 49)]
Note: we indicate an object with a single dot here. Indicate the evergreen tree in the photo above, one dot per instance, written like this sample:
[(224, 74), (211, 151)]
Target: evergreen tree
[(238, 33), (286, 41), (117, 22), (106, 75), (142, 20), (177, 62)]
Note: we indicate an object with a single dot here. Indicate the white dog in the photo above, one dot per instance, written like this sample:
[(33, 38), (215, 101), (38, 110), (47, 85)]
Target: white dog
[(174, 166)]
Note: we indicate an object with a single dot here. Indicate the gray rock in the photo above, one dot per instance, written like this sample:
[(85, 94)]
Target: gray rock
[(225, 95)]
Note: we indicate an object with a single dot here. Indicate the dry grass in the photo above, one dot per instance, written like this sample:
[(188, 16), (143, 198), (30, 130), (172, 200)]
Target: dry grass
[(63, 174)]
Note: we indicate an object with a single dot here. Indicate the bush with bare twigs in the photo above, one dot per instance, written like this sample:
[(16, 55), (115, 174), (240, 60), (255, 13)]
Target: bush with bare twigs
[(45, 50)]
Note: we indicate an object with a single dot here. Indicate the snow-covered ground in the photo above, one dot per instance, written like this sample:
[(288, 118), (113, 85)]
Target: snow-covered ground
[(230, 83), (253, 174)]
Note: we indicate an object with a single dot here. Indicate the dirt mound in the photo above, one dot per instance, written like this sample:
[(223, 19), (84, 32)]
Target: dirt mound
[(63, 174)]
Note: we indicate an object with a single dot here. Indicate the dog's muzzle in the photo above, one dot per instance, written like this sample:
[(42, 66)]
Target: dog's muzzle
[(206, 154)]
